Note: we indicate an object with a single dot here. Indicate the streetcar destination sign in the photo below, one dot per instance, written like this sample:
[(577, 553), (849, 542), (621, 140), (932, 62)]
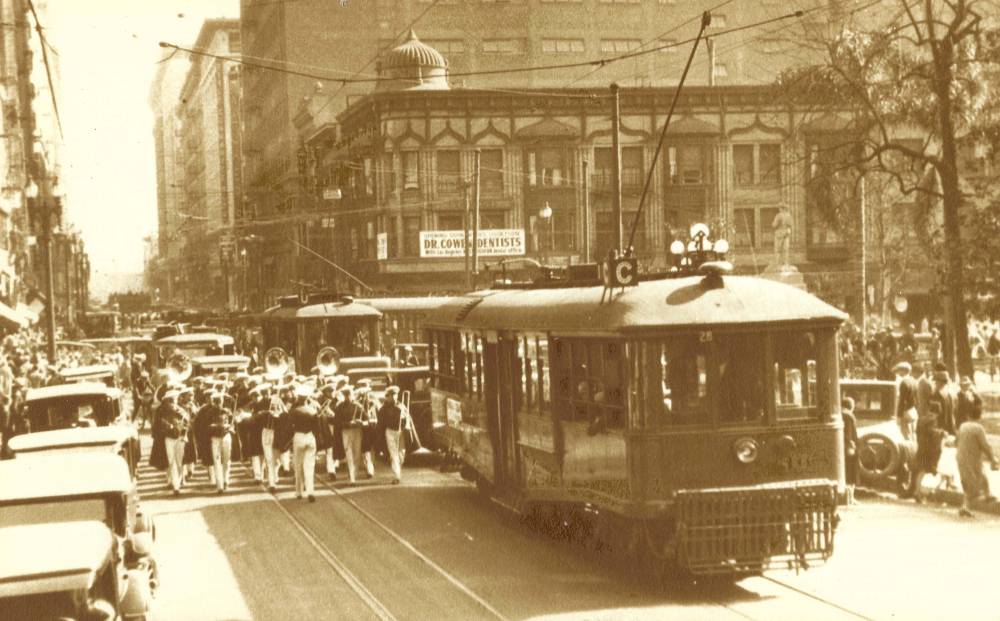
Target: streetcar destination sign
[(492, 243)]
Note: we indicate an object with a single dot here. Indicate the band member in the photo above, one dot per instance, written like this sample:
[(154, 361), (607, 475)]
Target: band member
[(369, 427), (304, 424), (219, 421), (248, 429), (349, 416), (392, 416), (272, 423), (142, 395), (329, 398), (174, 421)]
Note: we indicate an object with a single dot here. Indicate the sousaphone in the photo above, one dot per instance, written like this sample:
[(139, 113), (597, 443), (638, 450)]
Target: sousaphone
[(275, 363), (328, 361), (178, 368)]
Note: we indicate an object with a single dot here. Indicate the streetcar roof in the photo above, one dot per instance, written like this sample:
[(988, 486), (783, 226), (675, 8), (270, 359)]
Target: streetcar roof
[(63, 476), (52, 557), (82, 439), (79, 389), (340, 310), (667, 303), (224, 361), (198, 337), (390, 305)]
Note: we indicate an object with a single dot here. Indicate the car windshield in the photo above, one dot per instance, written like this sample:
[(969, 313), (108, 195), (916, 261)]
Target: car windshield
[(67, 412)]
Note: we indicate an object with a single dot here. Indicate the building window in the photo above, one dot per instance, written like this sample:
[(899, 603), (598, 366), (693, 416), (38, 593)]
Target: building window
[(502, 46), (449, 170), (562, 46), (632, 170), (493, 219), (753, 227), (769, 164), (411, 176), (756, 164), (448, 47), (743, 164), (491, 171), (687, 164), (411, 236), (546, 168), (619, 46), (449, 221), (720, 70)]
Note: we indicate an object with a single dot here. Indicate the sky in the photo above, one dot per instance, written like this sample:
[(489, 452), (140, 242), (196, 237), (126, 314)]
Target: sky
[(107, 54)]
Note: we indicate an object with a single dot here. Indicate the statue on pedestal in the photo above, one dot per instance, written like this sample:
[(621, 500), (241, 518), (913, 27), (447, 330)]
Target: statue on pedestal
[(782, 226)]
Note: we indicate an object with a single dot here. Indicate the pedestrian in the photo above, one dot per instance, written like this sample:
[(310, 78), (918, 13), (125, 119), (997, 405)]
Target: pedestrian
[(929, 437), (219, 421), (851, 441), (968, 401), (392, 417), (973, 448), (993, 350), (349, 416), (304, 424), (944, 396), (906, 403)]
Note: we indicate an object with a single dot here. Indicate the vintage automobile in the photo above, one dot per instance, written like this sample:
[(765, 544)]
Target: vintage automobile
[(885, 457), (65, 570), (86, 404), (106, 374), (212, 365), (115, 439), (89, 486)]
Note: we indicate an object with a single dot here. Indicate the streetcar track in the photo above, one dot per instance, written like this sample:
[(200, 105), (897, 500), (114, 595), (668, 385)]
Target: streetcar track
[(817, 598), (458, 584)]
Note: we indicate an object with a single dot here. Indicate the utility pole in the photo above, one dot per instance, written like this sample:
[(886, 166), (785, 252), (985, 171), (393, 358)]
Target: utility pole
[(586, 210), (616, 170), (46, 207), (864, 262), (466, 223), (475, 217)]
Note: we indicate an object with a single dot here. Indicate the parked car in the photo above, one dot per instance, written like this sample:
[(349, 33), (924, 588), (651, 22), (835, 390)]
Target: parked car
[(106, 374), (65, 570), (120, 440), (886, 458), (84, 487), (63, 406)]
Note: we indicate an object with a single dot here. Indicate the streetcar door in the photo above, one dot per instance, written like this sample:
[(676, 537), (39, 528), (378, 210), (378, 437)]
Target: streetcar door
[(506, 365), (496, 380)]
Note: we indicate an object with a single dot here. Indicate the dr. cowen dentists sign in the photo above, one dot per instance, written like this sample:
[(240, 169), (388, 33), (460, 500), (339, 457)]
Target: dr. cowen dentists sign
[(492, 243)]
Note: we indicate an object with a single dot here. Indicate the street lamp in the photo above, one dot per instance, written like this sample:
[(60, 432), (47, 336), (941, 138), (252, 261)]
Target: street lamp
[(545, 213)]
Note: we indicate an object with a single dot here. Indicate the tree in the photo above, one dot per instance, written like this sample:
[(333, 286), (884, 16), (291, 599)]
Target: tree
[(920, 78)]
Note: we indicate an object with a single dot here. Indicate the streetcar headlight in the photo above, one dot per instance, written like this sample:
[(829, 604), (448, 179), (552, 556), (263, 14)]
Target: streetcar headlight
[(746, 450)]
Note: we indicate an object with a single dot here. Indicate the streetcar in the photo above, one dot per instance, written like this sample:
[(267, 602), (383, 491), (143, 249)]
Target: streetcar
[(691, 421), (402, 323)]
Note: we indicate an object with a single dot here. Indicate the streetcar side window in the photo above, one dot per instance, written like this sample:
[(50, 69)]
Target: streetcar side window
[(532, 373), (589, 380), (742, 392), (795, 374), (683, 365)]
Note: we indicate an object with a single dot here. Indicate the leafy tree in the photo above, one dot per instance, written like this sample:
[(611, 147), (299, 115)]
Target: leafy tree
[(920, 79)]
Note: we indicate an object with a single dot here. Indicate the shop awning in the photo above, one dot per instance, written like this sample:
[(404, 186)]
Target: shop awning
[(10, 319)]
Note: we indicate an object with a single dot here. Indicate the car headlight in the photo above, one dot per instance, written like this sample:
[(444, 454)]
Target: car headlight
[(746, 450)]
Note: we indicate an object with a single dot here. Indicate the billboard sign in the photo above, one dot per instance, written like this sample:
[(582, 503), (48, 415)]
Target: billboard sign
[(492, 243)]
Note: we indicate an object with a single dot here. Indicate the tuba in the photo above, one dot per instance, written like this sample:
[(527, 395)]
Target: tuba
[(178, 368), (328, 361), (275, 362)]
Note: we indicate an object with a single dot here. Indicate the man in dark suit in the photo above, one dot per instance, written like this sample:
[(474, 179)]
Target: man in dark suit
[(906, 404)]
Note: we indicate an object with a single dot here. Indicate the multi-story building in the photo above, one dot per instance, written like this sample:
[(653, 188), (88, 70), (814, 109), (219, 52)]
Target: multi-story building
[(311, 40), (404, 158), (207, 168)]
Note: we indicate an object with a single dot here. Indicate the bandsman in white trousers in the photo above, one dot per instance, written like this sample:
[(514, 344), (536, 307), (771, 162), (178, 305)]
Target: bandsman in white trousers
[(349, 416), (220, 428), (268, 438), (175, 424), (304, 424), (392, 416)]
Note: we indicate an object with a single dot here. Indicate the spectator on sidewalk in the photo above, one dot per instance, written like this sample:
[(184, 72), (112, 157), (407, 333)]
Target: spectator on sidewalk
[(993, 349), (851, 456), (944, 395), (968, 402), (906, 404), (973, 448), (929, 437)]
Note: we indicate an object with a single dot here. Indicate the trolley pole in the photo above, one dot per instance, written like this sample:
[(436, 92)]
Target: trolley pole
[(475, 217), (616, 171), (586, 210)]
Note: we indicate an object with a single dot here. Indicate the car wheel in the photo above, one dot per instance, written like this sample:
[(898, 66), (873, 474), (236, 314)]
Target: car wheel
[(878, 457)]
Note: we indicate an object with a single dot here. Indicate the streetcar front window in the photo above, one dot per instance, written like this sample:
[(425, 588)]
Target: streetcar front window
[(742, 393), (683, 380), (795, 374)]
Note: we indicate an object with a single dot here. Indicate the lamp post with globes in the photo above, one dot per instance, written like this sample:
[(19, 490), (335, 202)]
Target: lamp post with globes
[(545, 213)]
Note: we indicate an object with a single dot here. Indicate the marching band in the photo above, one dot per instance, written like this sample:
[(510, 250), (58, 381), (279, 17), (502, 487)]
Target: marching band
[(278, 421)]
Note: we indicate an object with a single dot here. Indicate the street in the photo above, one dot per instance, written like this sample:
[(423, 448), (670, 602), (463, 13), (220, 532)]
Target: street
[(433, 548)]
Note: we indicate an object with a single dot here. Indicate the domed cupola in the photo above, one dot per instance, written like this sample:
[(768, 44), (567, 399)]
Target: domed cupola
[(412, 66)]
